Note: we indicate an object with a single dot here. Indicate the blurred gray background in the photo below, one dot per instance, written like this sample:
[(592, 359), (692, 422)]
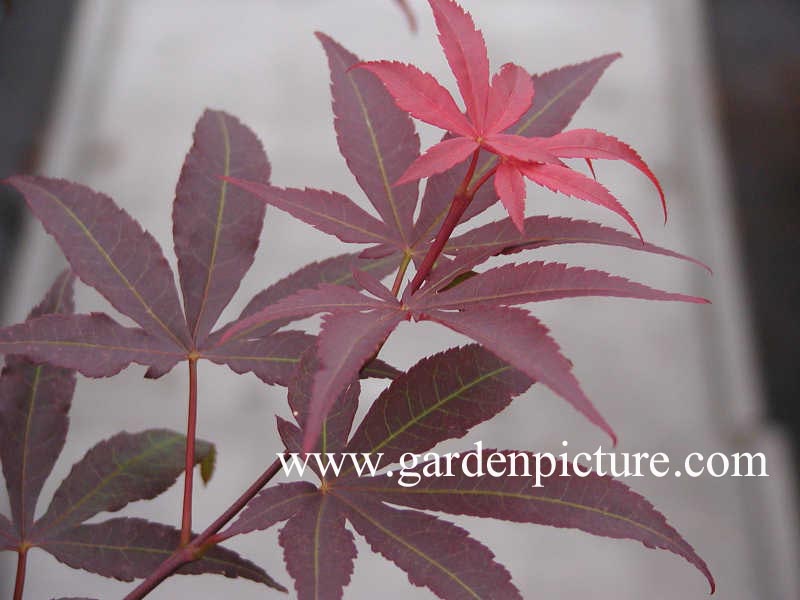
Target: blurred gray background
[(107, 93)]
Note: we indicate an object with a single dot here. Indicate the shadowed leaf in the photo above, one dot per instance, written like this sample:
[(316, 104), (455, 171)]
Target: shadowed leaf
[(272, 505), (434, 553), (410, 17), (34, 404), (595, 504), (127, 549), (441, 397), (122, 469), (94, 345), (216, 226), (376, 138), (273, 359), (109, 251), (379, 369), (318, 550)]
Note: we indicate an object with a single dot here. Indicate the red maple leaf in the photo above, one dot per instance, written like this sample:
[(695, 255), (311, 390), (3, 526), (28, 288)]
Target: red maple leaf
[(492, 110)]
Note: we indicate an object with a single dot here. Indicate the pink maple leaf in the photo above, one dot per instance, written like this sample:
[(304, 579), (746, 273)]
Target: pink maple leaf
[(492, 109)]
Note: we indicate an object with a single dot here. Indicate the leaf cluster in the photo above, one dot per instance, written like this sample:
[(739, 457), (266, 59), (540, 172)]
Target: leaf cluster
[(513, 127)]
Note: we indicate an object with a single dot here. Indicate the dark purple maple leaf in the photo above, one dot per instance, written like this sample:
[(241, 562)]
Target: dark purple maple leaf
[(440, 398), (216, 232), (479, 308), (35, 400)]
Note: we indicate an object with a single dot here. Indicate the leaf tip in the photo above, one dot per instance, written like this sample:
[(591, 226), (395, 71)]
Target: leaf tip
[(208, 465)]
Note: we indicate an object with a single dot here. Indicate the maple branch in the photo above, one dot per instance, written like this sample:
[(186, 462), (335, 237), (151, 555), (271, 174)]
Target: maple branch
[(459, 204), (196, 547), (188, 470), (22, 561)]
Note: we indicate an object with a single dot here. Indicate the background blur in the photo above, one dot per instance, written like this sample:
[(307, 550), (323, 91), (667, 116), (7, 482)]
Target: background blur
[(107, 93)]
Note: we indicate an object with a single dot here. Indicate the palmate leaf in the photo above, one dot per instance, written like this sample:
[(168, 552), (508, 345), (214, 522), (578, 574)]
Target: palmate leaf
[(216, 226), (477, 307), (216, 229), (130, 548), (34, 404), (125, 468), (463, 386), (559, 94), (357, 325), (592, 503)]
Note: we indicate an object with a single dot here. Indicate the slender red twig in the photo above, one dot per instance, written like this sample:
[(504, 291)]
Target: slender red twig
[(459, 204), (188, 470), (209, 537)]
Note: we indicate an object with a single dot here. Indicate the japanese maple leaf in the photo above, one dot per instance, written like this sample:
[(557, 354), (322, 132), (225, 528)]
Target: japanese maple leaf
[(216, 234), (441, 397), (482, 307), (35, 400), (491, 109)]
